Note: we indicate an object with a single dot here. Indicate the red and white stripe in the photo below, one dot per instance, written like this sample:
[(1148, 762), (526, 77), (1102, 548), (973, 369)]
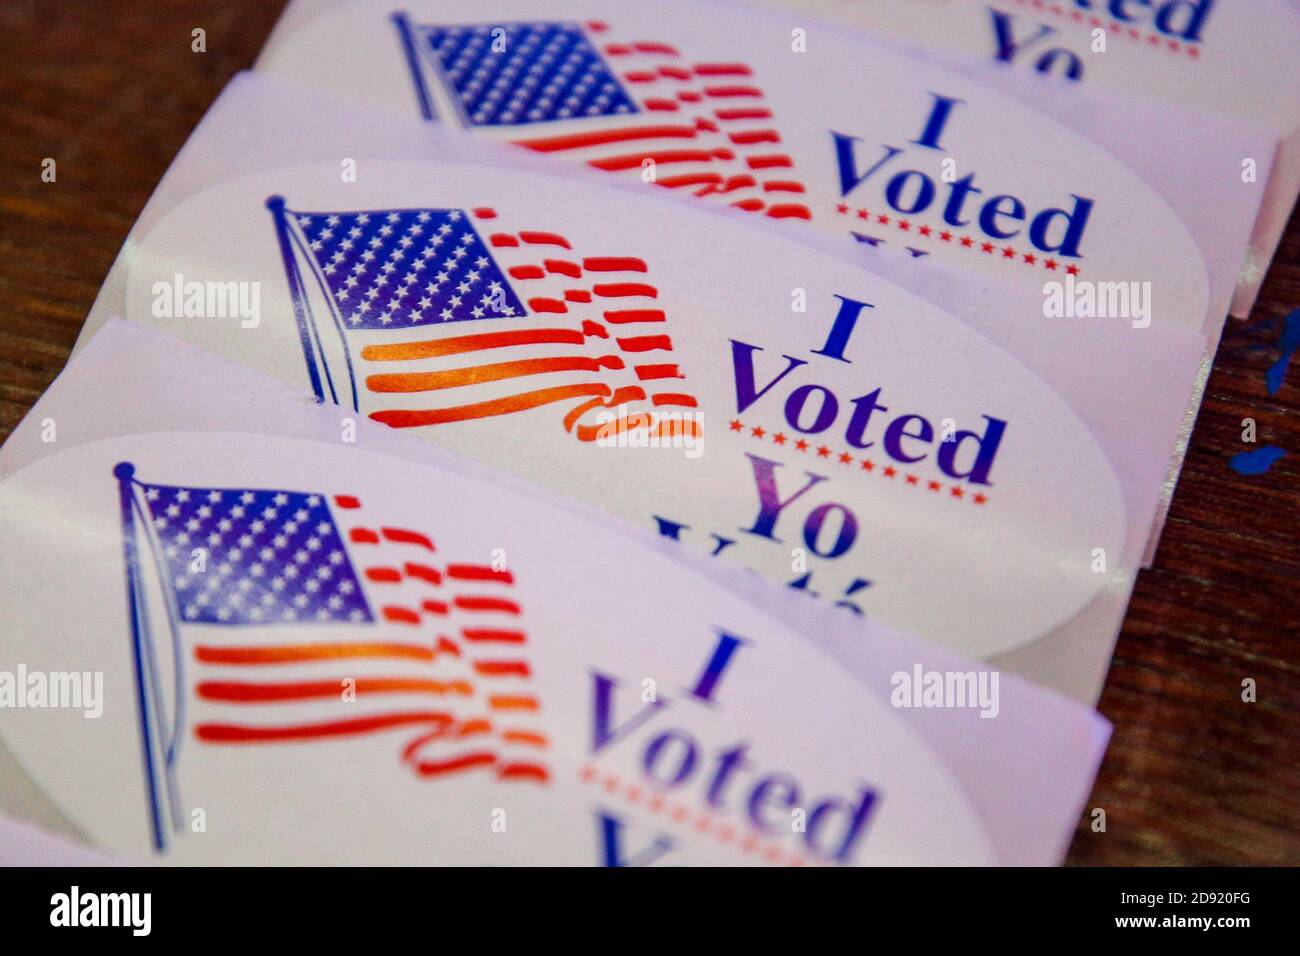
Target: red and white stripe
[(596, 336), (446, 664), (706, 126)]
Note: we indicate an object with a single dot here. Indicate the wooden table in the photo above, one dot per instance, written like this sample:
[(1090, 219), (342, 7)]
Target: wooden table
[(1193, 775)]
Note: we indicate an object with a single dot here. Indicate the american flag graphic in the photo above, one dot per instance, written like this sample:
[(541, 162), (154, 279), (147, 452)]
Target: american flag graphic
[(611, 102), (296, 617), (428, 317)]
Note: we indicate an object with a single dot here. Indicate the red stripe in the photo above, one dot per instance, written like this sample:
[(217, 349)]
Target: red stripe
[(403, 418), (646, 343), (614, 264), (346, 501), (711, 183), (478, 572), (648, 373), (544, 239), (768, 162), (577, 295), (733, 183), (555, 144), (674, 73), (484, 212), (406, 382), (499, 239), (233, 733), (402, 536), (690, 179), (529, 737), (547, 305), (401, 615), (424, 573), (459, 344), (563, 267), (634, 160), (743, 113), (661, 105), (245, 693), (674, 398), (384, 575), (616, 290), (513, 702), (493, 635), (728, 91), (466, 729), (430, 768), (502, 668), (755, 136), (722, 69), (623, 316), (655, 48), (434, 607), (292, 653), (526, 272), (474, 603), (363, 536), (790, 210), (524, 771)]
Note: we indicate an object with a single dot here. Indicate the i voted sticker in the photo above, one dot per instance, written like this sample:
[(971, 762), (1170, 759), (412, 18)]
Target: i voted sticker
[(310, 655), (807, 125)]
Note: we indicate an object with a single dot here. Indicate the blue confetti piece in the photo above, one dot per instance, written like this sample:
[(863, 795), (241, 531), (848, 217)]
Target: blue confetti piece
[(1256, 462)]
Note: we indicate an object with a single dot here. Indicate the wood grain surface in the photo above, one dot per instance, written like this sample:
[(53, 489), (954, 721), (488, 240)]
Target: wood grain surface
[(1194, 775)]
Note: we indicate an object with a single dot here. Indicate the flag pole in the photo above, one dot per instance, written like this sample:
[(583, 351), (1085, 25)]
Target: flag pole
[(407, 34), (125, 472), (296, 292)]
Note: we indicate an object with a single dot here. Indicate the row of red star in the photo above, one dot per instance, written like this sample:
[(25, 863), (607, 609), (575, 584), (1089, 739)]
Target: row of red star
[(864, 464), (705, 823), (947, 235), (1115, 27)]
